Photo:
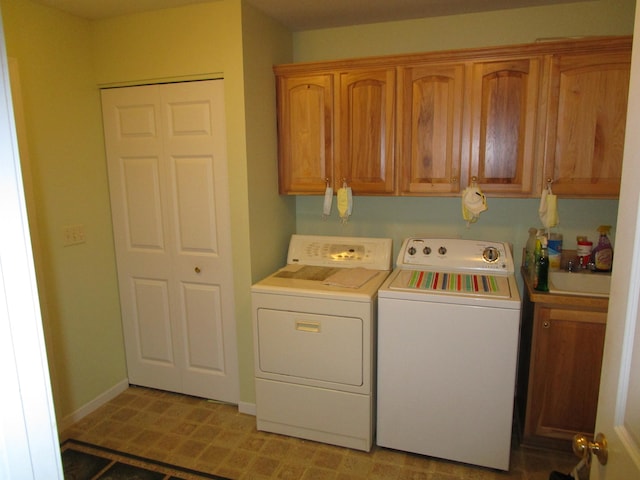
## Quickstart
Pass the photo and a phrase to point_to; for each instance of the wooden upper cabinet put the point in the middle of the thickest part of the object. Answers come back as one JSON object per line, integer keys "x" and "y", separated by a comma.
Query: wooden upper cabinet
{"x": 366, "y": 131}
{"x": 305, "y": 132}
{"x": 430, "y": 122}
{"x": 587, "y": 119}
{"x": 335, "y": 133}
{"x": 504, "y": 125}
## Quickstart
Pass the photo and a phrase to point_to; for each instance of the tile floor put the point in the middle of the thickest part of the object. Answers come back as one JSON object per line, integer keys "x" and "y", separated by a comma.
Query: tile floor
{"x": 216, "y": 438}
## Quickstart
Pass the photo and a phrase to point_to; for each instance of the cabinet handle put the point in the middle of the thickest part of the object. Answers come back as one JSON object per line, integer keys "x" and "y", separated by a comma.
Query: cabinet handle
{"x": 197, "y": 269}
{"x": 546, "y": 324}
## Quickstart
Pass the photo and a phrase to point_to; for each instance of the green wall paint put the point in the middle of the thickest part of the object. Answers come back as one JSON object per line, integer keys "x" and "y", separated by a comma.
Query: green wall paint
{"x": 506, "y": 219}
{"x": 272, "y": 216}
{"x": 502, "y": 27}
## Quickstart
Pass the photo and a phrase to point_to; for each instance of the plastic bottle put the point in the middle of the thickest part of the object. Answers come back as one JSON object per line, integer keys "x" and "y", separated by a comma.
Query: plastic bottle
{"x": 542, "y": 268}
{"x": 554, "y": 249}
{"x": 583, "y": 251}
{"x": 602, "y": 254}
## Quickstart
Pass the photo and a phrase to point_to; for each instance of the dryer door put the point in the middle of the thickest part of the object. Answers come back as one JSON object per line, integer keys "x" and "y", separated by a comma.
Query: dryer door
{"x": 310, "y": 347}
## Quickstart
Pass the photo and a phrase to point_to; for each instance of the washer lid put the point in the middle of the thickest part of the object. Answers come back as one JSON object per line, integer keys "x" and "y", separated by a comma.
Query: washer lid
{"x": 343, "y": 252}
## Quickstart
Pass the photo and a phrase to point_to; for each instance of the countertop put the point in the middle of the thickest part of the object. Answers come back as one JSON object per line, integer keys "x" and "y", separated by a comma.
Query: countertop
{"x": 563, "y": 300}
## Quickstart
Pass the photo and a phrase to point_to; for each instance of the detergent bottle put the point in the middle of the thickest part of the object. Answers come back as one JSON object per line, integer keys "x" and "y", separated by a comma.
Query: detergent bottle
{"x": 602, "y": 254}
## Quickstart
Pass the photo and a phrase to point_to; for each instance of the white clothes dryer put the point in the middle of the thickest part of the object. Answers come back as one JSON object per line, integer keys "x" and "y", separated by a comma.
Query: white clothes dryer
{"x": 314, "y": 327}
{"x": 448, "y": 328}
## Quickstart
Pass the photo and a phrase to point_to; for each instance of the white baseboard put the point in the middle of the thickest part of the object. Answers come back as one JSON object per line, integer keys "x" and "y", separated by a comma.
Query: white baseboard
{"x": 94, "y": 404}
{"x": 248, "y": 408}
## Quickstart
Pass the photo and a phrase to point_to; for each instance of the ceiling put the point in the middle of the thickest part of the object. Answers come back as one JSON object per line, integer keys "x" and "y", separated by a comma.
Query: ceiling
{"x": 309, "y": 14}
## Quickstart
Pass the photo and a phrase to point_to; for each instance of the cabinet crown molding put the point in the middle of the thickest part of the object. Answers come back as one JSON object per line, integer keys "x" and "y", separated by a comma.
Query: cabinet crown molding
{"x": 586, "y": 45}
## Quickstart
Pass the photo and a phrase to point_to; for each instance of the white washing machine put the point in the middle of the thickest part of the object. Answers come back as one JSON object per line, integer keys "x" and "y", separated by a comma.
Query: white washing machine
{"x": 314, "y": 340}
{"x": 448, "y": 327}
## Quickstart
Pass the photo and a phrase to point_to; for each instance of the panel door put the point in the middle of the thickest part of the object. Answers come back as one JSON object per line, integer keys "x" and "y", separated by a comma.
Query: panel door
{"x": 587, "y": 119}
{"x": 430, "y": 110}
{"x": 166, "y": 157}
{"x": 366, "y": 132}
{"x": 565, "y": 375}
{"x": 305, "y": 131}
{"x": 504, "y": 125}
{"x": 618, "y": 413}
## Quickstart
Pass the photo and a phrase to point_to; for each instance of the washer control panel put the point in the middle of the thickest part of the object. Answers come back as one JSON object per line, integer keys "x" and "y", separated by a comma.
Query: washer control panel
{"x": 455, "y": 255}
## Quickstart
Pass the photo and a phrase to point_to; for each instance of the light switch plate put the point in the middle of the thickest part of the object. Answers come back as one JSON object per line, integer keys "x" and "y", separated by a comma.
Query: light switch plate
{"x": 73, "y": 235}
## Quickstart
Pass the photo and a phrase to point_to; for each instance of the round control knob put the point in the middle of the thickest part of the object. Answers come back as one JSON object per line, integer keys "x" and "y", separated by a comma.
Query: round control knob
{"x": 412, "y": 250}
{"x": 426, "y": 250}
{"x": 491, "y": 254}
{"x": 442, "y": 250}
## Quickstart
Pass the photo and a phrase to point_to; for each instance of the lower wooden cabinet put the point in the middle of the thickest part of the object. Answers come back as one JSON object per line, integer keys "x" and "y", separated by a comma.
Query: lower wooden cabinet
{"x": 561, "y": 350}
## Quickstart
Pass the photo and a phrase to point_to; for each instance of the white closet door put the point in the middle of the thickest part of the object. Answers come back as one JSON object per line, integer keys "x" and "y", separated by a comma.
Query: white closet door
{"x": 166, "y": 157}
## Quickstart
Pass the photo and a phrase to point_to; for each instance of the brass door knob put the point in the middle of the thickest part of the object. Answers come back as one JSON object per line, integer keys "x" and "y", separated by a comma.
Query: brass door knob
{"x": 583, "y": 448}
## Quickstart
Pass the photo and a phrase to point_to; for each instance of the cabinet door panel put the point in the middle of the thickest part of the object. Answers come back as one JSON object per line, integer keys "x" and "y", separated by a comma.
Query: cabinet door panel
{"x": 587, "y": 120}
{"x": 430, "y": 112}
{"x": 305, "y": 130}
{"x": 504, "y": 124}
{"x": 566, "y": 378}
{"x": 366, "y": 131}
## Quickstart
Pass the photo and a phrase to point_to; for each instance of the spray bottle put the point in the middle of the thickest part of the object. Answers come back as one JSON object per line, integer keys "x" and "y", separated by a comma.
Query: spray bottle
{"x": 602, "y": 254}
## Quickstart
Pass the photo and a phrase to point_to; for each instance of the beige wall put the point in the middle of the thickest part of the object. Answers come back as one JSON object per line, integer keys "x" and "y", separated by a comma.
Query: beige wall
{"x": 65, "y": 143}
{"x": 220, "y": 39}
{"x": 62, "y": 61}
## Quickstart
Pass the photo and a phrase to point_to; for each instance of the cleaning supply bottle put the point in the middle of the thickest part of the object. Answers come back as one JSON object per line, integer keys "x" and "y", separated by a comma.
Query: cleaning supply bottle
{"x": 542, "y": 268}
{"x": 583, "y": 251}
{"x": 602, "y": 254}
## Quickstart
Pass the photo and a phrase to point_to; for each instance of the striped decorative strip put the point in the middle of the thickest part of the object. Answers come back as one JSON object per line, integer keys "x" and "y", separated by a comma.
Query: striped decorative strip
{"x": 454, "y": 282}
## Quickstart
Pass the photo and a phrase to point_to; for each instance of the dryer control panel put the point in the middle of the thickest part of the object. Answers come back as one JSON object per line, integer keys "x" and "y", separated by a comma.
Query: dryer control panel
{"x": 456, "y": 255}
{"x": 345, "y": 252}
